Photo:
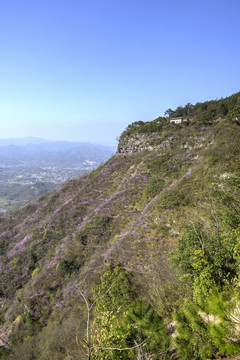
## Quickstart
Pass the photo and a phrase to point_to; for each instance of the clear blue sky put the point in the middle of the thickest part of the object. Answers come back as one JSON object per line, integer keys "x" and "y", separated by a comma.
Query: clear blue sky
{"x": 83, "y": 70}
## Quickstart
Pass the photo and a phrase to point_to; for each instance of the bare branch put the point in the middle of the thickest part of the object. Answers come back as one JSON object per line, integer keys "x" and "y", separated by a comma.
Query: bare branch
{"x": 122, "y": 349}
{"x": 100, "y": 297}
{"x": 85, "y": 299}
{"x": 88, "y": 342}
{"x": 200, "y": 238}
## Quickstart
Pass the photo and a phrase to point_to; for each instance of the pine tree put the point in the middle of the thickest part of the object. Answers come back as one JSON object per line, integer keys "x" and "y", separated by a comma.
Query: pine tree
{"x": 147, "y": 326}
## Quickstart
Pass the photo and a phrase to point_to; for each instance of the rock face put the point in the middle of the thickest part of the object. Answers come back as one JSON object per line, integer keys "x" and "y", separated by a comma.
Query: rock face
{"x": 141, "y": 142}
{"x": 137, "y": 142}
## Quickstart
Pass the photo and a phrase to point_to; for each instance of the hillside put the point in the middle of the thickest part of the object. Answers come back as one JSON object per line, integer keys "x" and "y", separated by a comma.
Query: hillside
{"x": 166, "y": 183}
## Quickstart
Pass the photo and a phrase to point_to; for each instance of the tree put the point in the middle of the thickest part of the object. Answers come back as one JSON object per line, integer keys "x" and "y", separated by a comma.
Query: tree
{"x": 182, "y": 258}
{"x": 234, "y": 113}
{"x": 115, "y": 291}
{"x": 188, "y": 109}
{"x": 209, "y": 325}
{"x": 111, "y": 298}
{"x": 222, "y": 109}
{"x": 144, "y": 325}
{"x": 114, "y": 294}
{"x": 169, "y": 112}
{"x": 206, "y": 260}
{"x": 192, "y": 341}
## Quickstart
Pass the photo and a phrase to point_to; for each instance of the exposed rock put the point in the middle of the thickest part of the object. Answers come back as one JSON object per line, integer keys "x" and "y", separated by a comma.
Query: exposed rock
{"x": 142, "y": 142}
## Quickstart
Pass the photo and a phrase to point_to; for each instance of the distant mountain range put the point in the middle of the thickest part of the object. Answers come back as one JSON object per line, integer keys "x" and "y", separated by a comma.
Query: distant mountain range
{"x": 23, "y": 141}
{"x": 32, "y": 166}
{"x": 40, "y": 152}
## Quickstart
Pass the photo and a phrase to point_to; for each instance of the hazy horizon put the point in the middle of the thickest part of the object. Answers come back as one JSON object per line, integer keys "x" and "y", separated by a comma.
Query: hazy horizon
{"x": 36, "y": 140}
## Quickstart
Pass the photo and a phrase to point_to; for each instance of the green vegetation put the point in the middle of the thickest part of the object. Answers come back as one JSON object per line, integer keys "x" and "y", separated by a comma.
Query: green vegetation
{"x": 146, "y": 127}
{"x": 209, "y": 262}
{"x": 140, "y": 259}
{"x": 126, "y": 321}
{"x": 207, "y": 111}
{"x": 14, "y": 195}
{"x": 203, "y": 113}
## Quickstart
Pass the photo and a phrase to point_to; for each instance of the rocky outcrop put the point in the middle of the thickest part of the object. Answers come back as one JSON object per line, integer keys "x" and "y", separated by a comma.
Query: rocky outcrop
{"x": 140, "y": 142}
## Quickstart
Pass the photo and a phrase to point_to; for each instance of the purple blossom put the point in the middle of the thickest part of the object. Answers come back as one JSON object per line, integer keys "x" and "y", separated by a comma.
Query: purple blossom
{"x": 70, "y": 290}
{"x": 40, "y": 293}
{"x": 60, "y": 304}
{"x": 115, "y": 165}
{"x": 84, "y": 202}
{"x": 108, "y": 200}
{"x": 60, "y": 207}
{"x": 19, "y": 247}
{"x": 135, "y": 176}
{"x": 85, "y": 219}
{"x": 68, "y": 201}
{"x": 9, "y": 267}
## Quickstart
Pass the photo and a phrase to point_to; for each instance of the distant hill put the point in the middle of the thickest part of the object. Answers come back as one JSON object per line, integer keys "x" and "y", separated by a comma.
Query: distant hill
{"x": 54, "y": 153}
{"x": 22, "y": 141}
{"x": 30, "y": 166}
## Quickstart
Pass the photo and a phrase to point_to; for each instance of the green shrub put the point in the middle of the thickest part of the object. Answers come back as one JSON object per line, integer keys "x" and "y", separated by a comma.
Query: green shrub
{"x": 154, "y": 187}
{"x": 4, "y": 353}
{"x": 103, "y": 221}
{"x": 181, "y": 195}
{"x": 2, "y": 319}
{"x": 81, "y": 237}
{"x": 66, "y": 267}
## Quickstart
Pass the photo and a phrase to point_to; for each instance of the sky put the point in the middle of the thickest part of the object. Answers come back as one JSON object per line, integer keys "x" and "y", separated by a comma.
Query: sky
{"x": 83, "y": 70}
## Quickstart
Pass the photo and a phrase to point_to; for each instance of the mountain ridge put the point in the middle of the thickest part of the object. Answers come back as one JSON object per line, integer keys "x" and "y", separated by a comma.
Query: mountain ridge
{"x": 129, "y": 212}
{"x": 31, "y": 140}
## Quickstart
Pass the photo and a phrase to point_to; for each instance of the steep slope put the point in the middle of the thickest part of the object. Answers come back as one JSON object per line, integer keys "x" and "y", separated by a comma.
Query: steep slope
{"x": 129, "y": 212}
